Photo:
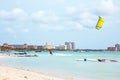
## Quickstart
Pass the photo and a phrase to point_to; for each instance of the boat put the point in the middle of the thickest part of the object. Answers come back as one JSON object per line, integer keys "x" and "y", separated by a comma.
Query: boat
{"x": 24, "y": 54}
{"x": 20, "y": 53}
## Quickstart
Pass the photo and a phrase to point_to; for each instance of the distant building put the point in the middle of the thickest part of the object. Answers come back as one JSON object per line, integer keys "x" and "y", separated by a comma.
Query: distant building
{"x": 40, "y": 47}
{"x": 5, "y": 44}
{"x": 111, "y": 49}
{"x": 117, "y": 47}
{"x": 24, "y": 46}
{"x": 17, "y": 46}
{"x": 32, "y": 47}
{"x": 66, "y": 46}
{"x": 61, "y": 47}
{"x": 73, "y": 45}
{"x": 6, "y": 47}
{"x": 70, "y": 45}
{"x": 49, "y": 46}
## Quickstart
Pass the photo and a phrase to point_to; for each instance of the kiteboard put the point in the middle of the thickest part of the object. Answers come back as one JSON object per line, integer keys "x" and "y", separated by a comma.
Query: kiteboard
{"x": 97, "y": 60}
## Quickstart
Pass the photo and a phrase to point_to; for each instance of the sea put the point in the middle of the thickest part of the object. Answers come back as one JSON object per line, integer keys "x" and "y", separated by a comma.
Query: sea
{"x": 69, "y": 65}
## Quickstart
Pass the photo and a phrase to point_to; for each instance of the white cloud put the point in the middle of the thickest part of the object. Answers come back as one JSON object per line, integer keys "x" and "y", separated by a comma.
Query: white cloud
{"x": 56, "y": 2}
{"x": 87, "y": 19}
{"x": 60, "y": 1}
{"x": 82, "y": 17}
{"x": 79, "y": 26}
{"x": 82, "y": 20}
{"x": 5, "y": 14}
{"x": 15, "y": 14}
{"x": 18, "y": 12}
{"x": 16, "y": 30}
{"x": 56, "y": 28}
{"x": 9, "y": 30}
{"x": 42, "y": 16}
{"x": 25, "y": 30}
{"x": 18, "y": 3}
{"x": 107, "y": 7}
{"x": 71, "y": 10}
{"x": 74, "y": 25}
{"x": 51, "y": 27}
{"x": 75, "y": 16}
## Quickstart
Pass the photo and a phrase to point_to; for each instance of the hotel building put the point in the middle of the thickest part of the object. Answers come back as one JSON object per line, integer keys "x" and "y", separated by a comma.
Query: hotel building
{"x": 70, "y": 45}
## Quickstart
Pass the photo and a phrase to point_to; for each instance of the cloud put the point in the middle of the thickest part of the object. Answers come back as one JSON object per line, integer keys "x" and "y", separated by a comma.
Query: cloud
{"x": 87, "y": 16}
{"x": 60, "y": 1}
{"x": 81, "y": 19}
{"x": 76, "y": 17}
{"x": 16, "y": 30}
{"x": 51, "y": 27}
{"x": 73, "y": 25}
{"x": 88, "y": 20}
{"x": 45, "y": 17}
{"x": 25, "y": 30}
{"x": 15, "y": 14}
{"x": 56, "y": 2}
{"x": 18, "y": 3}
{"x": 70, "y": 10}
{"x": 9, "y": 30}
{"x": 106, "y": 7}
{"x": 79, "y": 26}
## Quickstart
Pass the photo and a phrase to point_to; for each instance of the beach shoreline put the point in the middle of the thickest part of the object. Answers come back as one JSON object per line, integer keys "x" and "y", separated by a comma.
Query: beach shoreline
{"x": 16, "y": 73}
{"x": 10, "y": 73}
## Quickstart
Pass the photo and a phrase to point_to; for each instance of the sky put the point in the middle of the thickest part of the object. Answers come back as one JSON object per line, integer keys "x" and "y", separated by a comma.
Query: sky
{"x": 59, "y": 21}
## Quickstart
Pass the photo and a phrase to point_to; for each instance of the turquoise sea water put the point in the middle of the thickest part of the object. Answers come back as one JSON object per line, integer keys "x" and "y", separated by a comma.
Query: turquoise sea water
{"x": 64, "y": 64}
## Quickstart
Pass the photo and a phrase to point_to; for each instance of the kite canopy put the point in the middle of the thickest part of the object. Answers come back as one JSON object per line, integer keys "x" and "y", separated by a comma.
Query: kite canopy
{"x": 100, "y": 23}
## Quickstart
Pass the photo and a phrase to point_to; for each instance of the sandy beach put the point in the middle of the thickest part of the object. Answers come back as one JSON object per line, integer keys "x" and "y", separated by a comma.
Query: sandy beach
{"x": 9, "y": 73}
{"x": 4, "y": 56}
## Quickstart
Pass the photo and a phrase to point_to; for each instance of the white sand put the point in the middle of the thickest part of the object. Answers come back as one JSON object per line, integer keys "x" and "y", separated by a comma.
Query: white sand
{"x": 4, "y": 56}
{"x": 8, "y": 73}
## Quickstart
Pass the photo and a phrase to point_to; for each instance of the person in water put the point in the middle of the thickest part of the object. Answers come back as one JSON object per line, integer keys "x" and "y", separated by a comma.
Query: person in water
{"x": 101, "y": 60}
{"x": 50, "y": 51}
{"x": 85, "y": 59}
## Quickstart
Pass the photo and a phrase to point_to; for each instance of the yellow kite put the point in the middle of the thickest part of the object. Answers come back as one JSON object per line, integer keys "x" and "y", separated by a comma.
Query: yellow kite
{"x": 100, "y": 23}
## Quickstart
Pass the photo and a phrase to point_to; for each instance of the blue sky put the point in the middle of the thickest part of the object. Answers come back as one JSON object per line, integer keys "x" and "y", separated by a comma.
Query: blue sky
{"x": 58, "y": 21}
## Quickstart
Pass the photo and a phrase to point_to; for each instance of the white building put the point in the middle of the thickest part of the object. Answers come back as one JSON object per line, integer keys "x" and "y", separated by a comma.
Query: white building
{"x": 70, "y": 45}
{"x": 117, "y": 46}
{"x": 61, "y": 47}
{"x": 49, "y": 46}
